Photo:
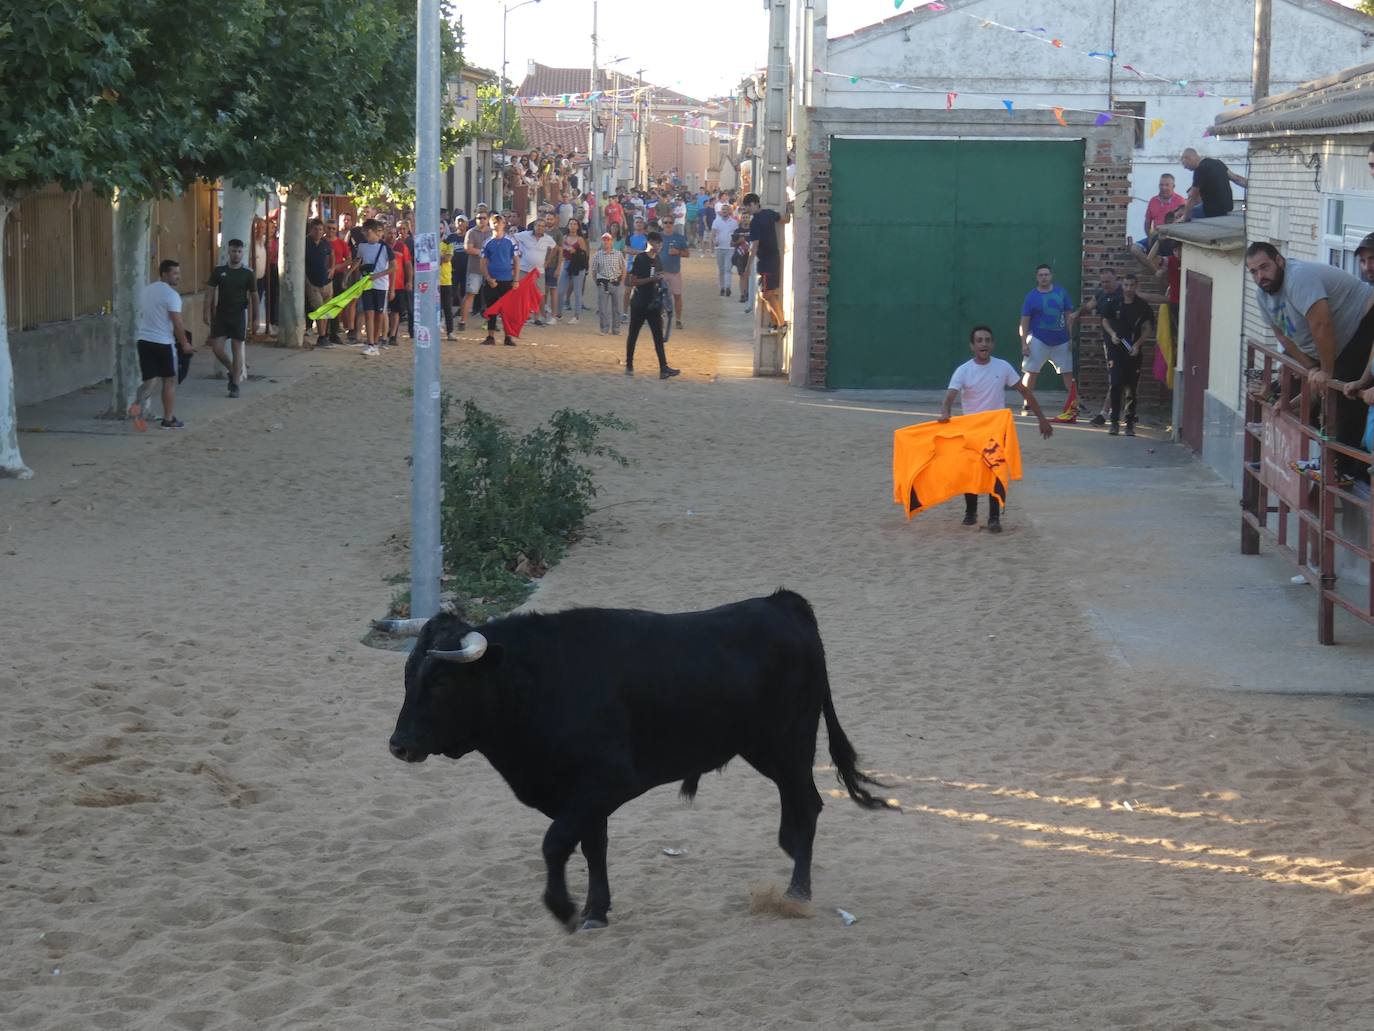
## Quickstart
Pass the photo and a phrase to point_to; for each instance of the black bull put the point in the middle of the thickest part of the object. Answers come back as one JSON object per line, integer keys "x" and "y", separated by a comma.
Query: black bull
{"x": 581, "y": 711}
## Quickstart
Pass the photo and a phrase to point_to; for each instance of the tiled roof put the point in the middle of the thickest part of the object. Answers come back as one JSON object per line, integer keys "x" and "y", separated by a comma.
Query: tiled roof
{"x": 542, "y": 129}
{"x": 554, "y": 82}
{"x": 1345, "y": 99}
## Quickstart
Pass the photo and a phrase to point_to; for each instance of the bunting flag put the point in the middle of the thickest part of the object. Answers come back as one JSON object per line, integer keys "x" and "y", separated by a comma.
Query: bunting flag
{"x": 1155, "y": 125}
{"x": 1102, "y": 118}
{"x": 949, "y": 101}
{"x": 1059, "y": 116}
{"x": 1008, "y": 105}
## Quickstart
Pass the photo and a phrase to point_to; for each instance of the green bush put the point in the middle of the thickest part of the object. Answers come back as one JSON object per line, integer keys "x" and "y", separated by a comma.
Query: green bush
{"x": 511, "y": 504}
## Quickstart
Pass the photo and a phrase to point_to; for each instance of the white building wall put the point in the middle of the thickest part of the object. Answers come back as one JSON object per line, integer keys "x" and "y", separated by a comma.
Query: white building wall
{"x": 950, "y": 51}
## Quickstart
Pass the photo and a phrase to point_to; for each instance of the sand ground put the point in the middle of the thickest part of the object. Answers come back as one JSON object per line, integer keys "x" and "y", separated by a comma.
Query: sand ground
{"x": 201, "y": 828}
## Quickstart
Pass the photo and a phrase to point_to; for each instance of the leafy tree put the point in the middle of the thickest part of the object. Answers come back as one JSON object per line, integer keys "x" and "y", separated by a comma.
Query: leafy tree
{"x": 1366, "y": 7}
{"x": 349, "y": 121}
{"x": 499, "y": 120}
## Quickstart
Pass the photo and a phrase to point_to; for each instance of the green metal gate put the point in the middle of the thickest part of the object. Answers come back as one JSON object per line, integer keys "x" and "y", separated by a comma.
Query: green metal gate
{"x": 928, "y": 238}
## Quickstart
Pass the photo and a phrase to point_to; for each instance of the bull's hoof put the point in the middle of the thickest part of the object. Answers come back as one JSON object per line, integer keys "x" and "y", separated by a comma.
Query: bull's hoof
{"x": 563, "y": 911}
{"x": 798, "y": 893}
{"x": 591, "y": 923}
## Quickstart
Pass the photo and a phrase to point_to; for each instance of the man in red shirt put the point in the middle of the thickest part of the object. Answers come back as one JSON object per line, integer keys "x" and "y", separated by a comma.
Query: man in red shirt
{"x": 401, "y": 274}
{"x": 614, "y": 213}
{"x": 1161, "y": 205}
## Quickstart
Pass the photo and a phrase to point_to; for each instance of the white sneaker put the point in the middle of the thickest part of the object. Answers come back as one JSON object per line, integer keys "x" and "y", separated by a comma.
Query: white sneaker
{"x": 370, "y": 350}
{"x": 573, "y": 319}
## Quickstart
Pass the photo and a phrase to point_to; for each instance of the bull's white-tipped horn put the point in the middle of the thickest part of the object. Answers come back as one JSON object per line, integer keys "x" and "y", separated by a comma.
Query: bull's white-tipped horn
{"x": 401, "y": 627}
{"x": 474, "y": 647}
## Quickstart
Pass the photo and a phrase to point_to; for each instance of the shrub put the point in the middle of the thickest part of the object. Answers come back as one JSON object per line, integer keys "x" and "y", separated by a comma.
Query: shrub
{"x": 510, "y": 504}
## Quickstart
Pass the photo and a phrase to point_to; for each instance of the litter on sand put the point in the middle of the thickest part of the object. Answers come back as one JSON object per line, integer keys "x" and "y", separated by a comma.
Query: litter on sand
{"x": 674, "y": 851}
{"x": 846, "y": 916}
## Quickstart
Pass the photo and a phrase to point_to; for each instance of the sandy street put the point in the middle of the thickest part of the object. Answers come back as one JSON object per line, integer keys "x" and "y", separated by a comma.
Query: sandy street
{"x": 201, "y": 827}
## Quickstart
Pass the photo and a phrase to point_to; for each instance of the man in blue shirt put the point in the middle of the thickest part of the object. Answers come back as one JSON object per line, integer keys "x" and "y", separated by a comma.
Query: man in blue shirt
{"x": 675, "y": 248}
{"x": 500, "y": 267}
{"x": 1047, "y": 319}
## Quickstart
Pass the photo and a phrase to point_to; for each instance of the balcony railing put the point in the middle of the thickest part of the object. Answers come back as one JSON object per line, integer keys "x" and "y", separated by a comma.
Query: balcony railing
{"x": 1291, "y": 494}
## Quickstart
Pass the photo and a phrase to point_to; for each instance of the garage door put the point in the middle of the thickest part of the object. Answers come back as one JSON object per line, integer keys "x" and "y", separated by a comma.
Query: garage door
{"x": 931, "y": 237}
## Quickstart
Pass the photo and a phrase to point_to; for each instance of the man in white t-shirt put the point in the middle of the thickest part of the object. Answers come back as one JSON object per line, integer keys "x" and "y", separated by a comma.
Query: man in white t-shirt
{"x": 534, "y": 245}
{"x": 981, "y": 385}
{"x": 163, "y": 346}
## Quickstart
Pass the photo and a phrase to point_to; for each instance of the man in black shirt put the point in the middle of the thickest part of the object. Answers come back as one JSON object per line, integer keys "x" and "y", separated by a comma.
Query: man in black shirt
{"x": 1210, "y": 194}
{"x": 646, "y": 305}
{"x": 232, "y": 308}
{"x": 1104, "y": 304}
{"x": 319, "y": 275}
{"x": 766, "y": 254}
{"x": 1126, "y": 329}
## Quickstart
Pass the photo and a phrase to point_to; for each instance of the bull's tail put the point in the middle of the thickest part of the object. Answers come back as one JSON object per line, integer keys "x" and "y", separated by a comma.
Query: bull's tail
{"x": 842, "y": 754}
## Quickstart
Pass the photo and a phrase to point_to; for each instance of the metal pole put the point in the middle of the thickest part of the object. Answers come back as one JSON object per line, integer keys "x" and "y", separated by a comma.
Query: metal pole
{"x": 1264, "y": 18}
{"x": 426, "y": 550}
{"x": 505, "y": 130}
{"x": 594, "y": 150}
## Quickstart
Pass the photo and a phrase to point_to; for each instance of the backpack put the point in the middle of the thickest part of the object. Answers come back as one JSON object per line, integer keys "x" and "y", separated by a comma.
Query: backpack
{"x": 368, "y": 267}
{"x": 740, "y": 259}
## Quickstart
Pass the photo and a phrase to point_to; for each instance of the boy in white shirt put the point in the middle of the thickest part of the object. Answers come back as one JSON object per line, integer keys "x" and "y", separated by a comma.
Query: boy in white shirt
{"x": 981, "y": 384}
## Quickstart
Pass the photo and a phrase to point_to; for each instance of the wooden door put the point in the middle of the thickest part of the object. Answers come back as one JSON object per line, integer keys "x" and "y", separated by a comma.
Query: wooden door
{"x": 1197, "y": 351}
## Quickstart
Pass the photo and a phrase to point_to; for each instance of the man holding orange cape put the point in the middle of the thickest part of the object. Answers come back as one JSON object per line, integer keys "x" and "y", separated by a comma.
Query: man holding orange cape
{"x": 932, "y": 462}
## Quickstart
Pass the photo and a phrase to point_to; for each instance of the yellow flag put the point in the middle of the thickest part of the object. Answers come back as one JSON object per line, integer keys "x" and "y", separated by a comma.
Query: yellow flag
{"x": 1155, "y": 125}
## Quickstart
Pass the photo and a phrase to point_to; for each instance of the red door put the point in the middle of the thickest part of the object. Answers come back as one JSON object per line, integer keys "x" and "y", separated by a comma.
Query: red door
{"x": 1197, "y": 352}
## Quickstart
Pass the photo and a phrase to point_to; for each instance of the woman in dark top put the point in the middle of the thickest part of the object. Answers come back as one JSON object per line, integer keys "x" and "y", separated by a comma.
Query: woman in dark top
{"x": 573, "y": 272}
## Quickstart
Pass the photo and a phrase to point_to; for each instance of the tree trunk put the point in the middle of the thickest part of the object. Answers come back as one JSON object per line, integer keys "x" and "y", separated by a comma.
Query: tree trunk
{"x": 291, "y": 315}
{"x": 130, "y": 259}
{"x": 236, "y": 221}
{"x": 11, "y": 463}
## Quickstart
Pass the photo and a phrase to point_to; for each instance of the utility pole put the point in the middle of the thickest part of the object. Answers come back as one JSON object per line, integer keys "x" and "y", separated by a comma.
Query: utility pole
{"x": 640, "y": 156}
{"x": 426, "y": 550}
{"x": 1264, "y": 19}
{"x": 773, "y": 189}
{"x": 769, "y": 350}
{"x": 594, "y": 148}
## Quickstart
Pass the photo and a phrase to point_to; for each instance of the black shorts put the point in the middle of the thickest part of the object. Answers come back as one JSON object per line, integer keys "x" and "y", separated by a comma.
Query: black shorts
{"x": 157, "y": 361}
{"x": 769, "y": 279}
{"x": 400, "y": 302}
{"x": 228, "y": 325}
{"x": 374, "y": 299}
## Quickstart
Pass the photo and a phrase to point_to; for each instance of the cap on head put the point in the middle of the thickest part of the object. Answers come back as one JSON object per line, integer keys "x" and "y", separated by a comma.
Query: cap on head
{"x": 1367, "y": 244}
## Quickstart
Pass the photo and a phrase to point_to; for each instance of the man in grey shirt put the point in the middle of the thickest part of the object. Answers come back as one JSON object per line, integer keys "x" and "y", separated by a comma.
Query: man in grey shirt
{"x": 1324, "y": 318}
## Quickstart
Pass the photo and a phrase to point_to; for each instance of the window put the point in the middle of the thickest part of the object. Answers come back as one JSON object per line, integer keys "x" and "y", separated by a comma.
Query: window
{"x": 1135, "y": 110}
{"x": 1346, "y": 221}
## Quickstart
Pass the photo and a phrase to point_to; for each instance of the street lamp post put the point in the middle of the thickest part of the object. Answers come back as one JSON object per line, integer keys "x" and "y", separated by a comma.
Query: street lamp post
{"x": 505, "y": 114}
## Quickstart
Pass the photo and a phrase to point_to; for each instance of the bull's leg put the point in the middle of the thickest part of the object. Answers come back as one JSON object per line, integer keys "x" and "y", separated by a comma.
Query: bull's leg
{"x": 559, "y": 842}
{"x": 801, "y": 804}
{"x": 594, "y": 913}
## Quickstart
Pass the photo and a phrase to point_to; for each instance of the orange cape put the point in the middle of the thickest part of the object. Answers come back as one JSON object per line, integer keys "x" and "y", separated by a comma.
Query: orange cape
{"x": 971, "y": 454}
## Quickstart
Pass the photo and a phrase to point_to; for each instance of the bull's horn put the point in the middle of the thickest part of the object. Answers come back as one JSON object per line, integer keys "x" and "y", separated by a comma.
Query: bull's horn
{"x": 401, "y": 627}
{"x": 474, "y": 647}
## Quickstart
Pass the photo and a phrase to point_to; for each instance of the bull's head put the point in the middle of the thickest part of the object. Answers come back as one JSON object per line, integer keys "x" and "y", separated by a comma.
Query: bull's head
{"x": 442, "y": 674}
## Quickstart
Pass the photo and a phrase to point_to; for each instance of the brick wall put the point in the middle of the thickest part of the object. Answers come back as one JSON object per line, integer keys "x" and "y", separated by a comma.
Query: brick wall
{"x": 818, "y": 301}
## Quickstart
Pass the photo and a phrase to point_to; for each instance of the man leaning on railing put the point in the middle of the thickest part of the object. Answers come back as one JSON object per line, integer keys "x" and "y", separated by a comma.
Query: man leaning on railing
{"x": 1324, "y": 319}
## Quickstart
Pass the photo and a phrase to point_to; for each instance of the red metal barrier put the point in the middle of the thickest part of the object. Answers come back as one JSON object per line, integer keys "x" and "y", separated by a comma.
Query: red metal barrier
{"x": 1280, "y": 431}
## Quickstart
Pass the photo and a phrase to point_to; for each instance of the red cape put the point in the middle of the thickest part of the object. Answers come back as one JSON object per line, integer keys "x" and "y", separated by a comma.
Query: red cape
{"x": 515, "y": 307}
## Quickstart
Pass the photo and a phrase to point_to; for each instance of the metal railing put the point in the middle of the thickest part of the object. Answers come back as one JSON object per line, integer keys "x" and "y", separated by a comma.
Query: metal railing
{"x": 1291, "y": 493}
